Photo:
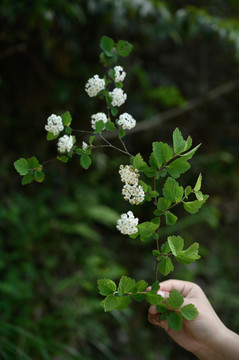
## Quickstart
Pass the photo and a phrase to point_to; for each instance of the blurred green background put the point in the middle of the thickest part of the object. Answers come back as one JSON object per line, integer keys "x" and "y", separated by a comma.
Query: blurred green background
{"x": 59, "y": 237}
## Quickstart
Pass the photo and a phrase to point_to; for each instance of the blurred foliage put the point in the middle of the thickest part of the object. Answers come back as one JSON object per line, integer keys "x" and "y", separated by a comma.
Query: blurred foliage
{"x": 58, "y": 238}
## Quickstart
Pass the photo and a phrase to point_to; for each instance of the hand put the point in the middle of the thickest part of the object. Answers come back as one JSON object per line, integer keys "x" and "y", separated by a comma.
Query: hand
{"x": 205, "y": 336}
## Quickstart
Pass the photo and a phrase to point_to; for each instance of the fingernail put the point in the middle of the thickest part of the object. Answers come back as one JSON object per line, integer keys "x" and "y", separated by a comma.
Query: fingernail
{"x": 164, "y": 294}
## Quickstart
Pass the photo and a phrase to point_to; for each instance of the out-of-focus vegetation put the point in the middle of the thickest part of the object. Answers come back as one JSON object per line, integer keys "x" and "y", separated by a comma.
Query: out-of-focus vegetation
{"x": 59, "y": 237}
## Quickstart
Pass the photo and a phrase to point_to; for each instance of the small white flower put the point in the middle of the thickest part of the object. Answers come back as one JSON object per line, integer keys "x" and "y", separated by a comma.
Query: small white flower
{"x": 133, "y": 193}
{"x": 129, "y": 175}
{"x": 54, "y": 124}
{"x": 65, "y": 143}
{"x": 118, "y": 97}
{"x": 94, "y": 85}
{"x": 119, "y": 73}
{"x": 127, "y": 121}
{"x": 84, "y": 146}
{"x": 127, "y": 224}
{"x": 97, "y": 117}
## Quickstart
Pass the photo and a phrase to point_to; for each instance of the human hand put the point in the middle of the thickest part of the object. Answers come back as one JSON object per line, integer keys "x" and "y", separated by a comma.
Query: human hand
{"x": 203, "y": 335}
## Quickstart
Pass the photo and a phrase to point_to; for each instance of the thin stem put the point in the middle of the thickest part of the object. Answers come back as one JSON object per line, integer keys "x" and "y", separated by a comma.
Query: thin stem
{"x": 114, "y": 147}
{"x": 122, "y": 142}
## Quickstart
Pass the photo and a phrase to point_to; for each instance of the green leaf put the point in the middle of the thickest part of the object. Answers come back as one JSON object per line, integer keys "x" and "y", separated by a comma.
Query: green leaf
{"x": 21, "y": 165}
{"x": 112, "y": 75}
{"x": 27, "y": 179}
{"x": 63, "y": 159}
{"x": 165, "y": 248}
{"x": 150, "y": 172}
{"x": 108, "y": 60}
{"x": 66, "y": 118}
{"x": 138, "y": 297}
{"x": 176, "y": 244}
{"x": 110, "y": 303}
{"x": 138, "y": 162}
{"x": 178, "y": 167}
{"x": 189, "y": 312}
{"x": 175, "y": 299}
{"x": 172, "y": 191}
{"x": 106, "y": 286}
{"x": 165, "y": 266}
{"x": 124, "y": 48}
{"x": 123, "y": 302}
{"x": 193, "y": 206}
{"x": 146, "y": 229}
{"x": 162, "y": 308}
{"x": 175, "y": 321}
{"x": 39, "y": 176}
{"x": 106, "y": 44}
{"x": 141, "y": 285}
{"x": 121, "y": 132}
{"x": 163, "y": 204}
{"x": 152, "y": 160}
{"x": 199, "y": 195}
{"x": 153, "y": 298}
{"x": 162, "y": 153}
{"x": 197, "y": 187}
{"x": 33, "y": 163}
{"x": 110, "y": 126}
{"x": 189, "y": 155}
{"x": 188, "y": 191}
{"x": 91, "y": 139}
{"x": 154, "y": 193}
{"x": 189, "y": 255}
{"x": 155, "y": 286}
{"x": 114, "y": 111}
{"x": 144, "y": 185}
{"x": 179, "y": 143}
{"x": 189, "y": 143}
{"x": 126, "y": 285}
{"x": 99, "y": 127}
{"x": 170, "y": 218}
{"x": 85, "y": 161}
{"x": 50, "y": 136}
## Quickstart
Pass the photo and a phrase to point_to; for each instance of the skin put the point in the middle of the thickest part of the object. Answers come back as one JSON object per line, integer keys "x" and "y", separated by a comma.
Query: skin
{"x": 205, "y": 336}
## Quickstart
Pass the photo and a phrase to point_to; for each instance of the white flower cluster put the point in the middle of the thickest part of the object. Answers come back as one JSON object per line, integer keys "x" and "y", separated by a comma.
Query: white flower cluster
{"x": 133, "y": 193}
{"x": 65, "y": 143}
{"x": 128, "y": 175}
{"x": 94, "y": 85}
{"x": 127, "y": 224}
{"x": 131, "y": 190}
{"x": 118, "y": 97}
{"x": 97, "y": 117}
{"x": 127, "y": 121}
{"x": 119, "y": 73}
{"x": 54, "y": 124}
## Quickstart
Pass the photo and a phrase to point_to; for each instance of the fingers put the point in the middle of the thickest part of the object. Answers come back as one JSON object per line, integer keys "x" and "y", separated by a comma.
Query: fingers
{"x": 184, "y": 287}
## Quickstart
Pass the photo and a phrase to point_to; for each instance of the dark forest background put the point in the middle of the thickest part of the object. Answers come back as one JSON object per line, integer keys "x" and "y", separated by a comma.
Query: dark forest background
{"x": 59, "y": 237}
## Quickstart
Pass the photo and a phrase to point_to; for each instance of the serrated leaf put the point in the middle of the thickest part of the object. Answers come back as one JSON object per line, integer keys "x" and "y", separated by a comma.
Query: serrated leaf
{"x": 156, "y": 253}
{"x": 141, "y": 285}
{"x": 175, "y": 299}
{"x": 178, "y": 167}
{"x": 172, "y": 191}
{"x": 106, "y": 286}
{"x": 106, "y": 44}
{"x": 176, "y": 244}
{"x": 199, "y": 195}
{"x": 162, "y": 153}
{"x": 110, "y": 303}
{"x": 163, "y": 204}
{"x": 153, "y": 298}
{"x": 21, "y": 165}
{"x": 85, "y": 161}
{"x": 189, "y": 155}
{"x": 99, "y": 127}
{"x": 154, "y": 193}
{"x": 112, "y": 73}
{"x": 162, "y": 308}
{"x": 152, "y": 160}
{"x": 138, "y": 162}
{"x": 110, "y": 126}
{"x": 165, "y": 248}
{"x": 146, "y": 229}
{"x": 123, "y": 302}
{"x": 50, "y": 136}
{"x": 138, "y": 297}
{"x": 170, "y": 218}
{"x": 189, "y": 143}
{"x": 124, "y": 48}
{"x": 150, "y": 172}
{"x": 189, "y": 312}
{"x": 179, "y": 143}
{"x": 155, "y": 286}
{"x": 66, "y": 118}
{"x": 163, "y": 316}
{"x": 175, "y": 321}
{"x": 63, "y": 159}
{"x": 144, "y": 185}
{"x": 165, "y": 266}
{"x": 121, "y": 132}
{"x": 33, "y": 163}
{"x": 91, "y": 139}
{"x": 188, "y": 191}
{"x": 27, "y": 179}
{"x": 189, "y": 255}
{"x": 197, "y": 187}
{"x": 126, "y": 285}
{"x": 193, "y": 206}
